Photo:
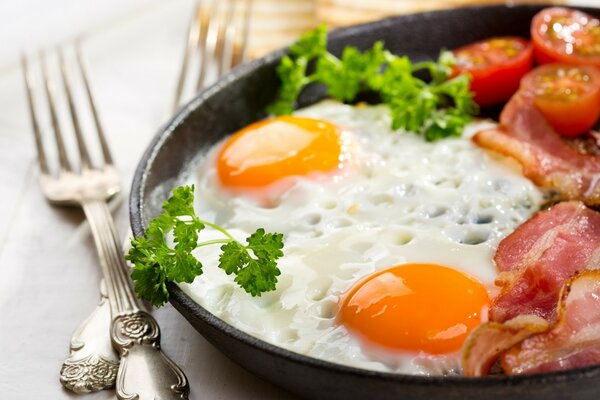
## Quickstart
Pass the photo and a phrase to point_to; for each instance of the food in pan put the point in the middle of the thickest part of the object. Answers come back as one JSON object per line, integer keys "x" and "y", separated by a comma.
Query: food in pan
{"x": 568, "y": 36}
{"x": 496, "y": 66}
{"x": 406, "y": 236}
{"x": 403, "y": 228}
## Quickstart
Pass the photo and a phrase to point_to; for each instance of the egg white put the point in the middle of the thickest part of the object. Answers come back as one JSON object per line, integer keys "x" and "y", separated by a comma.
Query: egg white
{"x": 403, "y": 200}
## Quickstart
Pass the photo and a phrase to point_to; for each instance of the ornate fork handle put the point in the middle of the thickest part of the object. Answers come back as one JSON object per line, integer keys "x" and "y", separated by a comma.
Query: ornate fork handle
{"x": 92, "y": 364}
{"x": 145, "y": 372}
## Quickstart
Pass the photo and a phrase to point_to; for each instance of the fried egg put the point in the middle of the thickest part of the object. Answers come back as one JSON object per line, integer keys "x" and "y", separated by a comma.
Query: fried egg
{"x": 265, "y": 158}
{"x": 388, "y": 238}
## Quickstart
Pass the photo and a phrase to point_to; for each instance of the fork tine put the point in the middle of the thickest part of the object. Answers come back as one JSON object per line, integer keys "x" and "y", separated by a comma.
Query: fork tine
{"x": 108, "y": 160}
{"x": 216, "y": 36}
{"x": 243, "y": 54}
{"x": 227, "y": 34}
{"x": 39, "y": 145}
{"x": 50, "y": 97}
{"x": 208, "y": 46}
{"x": 192, "y": 40}
{"x": 83, "y": 152}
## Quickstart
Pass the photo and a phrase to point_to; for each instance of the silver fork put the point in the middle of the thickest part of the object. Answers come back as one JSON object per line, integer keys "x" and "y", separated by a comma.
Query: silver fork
{"x": 220, "y": 41}
{"x": 144, "y": 372}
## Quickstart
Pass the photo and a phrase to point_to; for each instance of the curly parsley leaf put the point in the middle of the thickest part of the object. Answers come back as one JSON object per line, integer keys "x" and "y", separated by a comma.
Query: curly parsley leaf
{"x": 258, "y": 273}
{"x": 151, "y": 283}
{"x": 155, "y": 263}
{"x": 266, "y": 245}
{"x": 254, "y": 279}
{"x": 233, "y": 257}
{"x": 439, "y": 71}
{"x": 436, "y": 109}
{"x": 310, "y": 45}
{"x": 293, "y": 79}
{"x": 443, "y": 123}
{"x": 292, "y": 69}
{"x": 345, "y": 78}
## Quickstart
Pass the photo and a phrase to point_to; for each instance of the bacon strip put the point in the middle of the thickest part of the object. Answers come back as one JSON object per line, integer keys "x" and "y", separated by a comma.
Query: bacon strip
{"x": 573, "y": 341}
{"x": 527, "y": 344}
{"x": 489, "y": 341}
{"x": 547, "y": 159}
{"x": 536, "y": 261}
{"x": 540, "y": 255}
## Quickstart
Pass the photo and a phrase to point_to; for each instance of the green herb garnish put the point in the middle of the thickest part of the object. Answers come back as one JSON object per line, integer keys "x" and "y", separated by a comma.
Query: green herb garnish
{"x": 436, "y": 109}
{"x": 155, "y": 263}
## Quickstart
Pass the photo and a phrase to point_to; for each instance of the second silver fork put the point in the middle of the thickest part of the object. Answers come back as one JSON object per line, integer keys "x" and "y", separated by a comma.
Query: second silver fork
{"x": 144, "y": 372}
{"x": 218, "y": 32}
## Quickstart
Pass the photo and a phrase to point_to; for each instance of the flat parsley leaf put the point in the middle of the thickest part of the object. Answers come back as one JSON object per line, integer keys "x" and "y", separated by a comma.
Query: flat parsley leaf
{"x": 436, "y": 109}
{"x": 155, "y": 263}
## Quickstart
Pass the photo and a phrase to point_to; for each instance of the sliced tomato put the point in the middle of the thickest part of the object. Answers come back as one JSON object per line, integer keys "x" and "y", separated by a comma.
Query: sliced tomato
{"x": 567, "y": 95}
{"x": 496, "y": 66}
{"x": 568, "y": 36}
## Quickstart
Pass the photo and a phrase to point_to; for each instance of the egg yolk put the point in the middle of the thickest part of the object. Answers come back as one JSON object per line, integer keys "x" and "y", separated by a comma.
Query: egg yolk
{"x": 267, "y": 151}
{"x": 415, "y": 307}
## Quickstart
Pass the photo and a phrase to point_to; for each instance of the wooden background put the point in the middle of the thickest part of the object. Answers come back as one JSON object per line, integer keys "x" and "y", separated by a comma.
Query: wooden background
{"x": 276, "y": 23}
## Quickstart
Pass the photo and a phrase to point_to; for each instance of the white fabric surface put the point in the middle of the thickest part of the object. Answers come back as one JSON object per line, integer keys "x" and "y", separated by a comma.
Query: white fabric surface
{"x": 49, "y": 275}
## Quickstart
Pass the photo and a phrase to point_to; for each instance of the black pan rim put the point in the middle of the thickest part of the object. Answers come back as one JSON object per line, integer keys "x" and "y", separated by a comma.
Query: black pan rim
{"x": 180, "y": 299}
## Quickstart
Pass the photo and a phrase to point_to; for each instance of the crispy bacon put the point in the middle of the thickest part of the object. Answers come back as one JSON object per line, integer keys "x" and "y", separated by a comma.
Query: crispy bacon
{"x": 489, "y": 341}
{"x": 540, "y": 255}
{"x": 546, "y": 158}
{"x": 536, "y": 261}
{"x": 527, "y": 344}
{"x": 574, "y": 339}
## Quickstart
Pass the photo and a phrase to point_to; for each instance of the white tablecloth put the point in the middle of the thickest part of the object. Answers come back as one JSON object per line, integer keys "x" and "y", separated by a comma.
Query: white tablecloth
{"x": 49, "y": 273}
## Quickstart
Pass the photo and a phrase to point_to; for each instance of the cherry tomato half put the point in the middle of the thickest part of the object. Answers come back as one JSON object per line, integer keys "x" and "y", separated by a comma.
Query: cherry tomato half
{"x": 496, "y": 66}
{"x": 568, "y": 36}
{"x": 567, "y": 95}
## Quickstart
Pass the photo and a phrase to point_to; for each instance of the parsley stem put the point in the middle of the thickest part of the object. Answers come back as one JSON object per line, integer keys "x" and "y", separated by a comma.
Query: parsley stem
{"x": 217, "y": 227}
{"x": 332, "y": 58}
{"x": 422, "y": 65}
{"x": 215, "y": 241}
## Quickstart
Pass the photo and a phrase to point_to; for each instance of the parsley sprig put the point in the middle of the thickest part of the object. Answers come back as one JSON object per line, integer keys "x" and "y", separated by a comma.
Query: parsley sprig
{"x": 155, "y": 263}
{"x": 436, "y": 109}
